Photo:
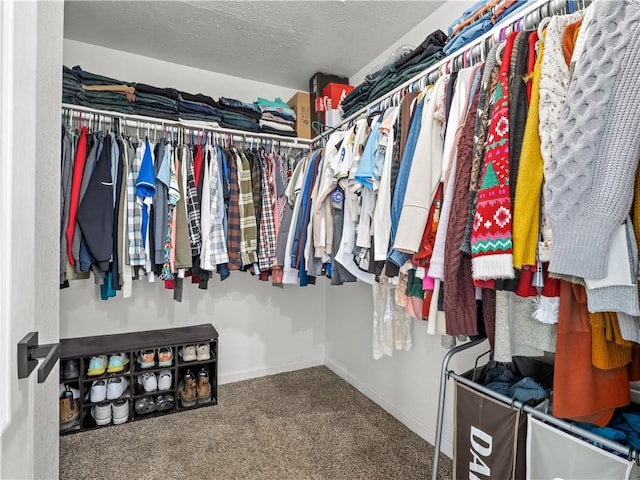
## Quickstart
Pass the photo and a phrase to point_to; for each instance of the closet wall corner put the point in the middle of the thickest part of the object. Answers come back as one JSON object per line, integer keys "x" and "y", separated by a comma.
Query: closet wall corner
{"x": 265, "y": 330}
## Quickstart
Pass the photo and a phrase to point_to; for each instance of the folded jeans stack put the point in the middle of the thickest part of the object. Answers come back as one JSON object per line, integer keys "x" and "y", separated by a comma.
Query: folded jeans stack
{"x": 152, "y": 104}
{"x": 97, "y": 91}
{"x": 71, "y": 85}
{"x": 194, "y": 110}
{"x": 478, "y": 20}
{"x": 395, "y": 73}
{"x": 240, "y": 115}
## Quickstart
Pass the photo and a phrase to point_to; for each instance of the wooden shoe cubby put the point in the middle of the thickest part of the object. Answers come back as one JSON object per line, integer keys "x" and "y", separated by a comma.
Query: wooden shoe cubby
{"x": 83, "y": 348}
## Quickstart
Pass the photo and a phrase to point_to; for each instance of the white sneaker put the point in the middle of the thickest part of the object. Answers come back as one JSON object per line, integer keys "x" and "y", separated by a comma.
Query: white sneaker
{"x": 165, "y": 380}
{"x": 203, "y": 352}
{"x": 165, "y": 357}
{"x": 188, "y": 353}
{"x": 116, "y": 387}
{"x": 120, "y": 411}
{"x": 98, "y": 391}
{"x": 101, "y": 413}
{"x": 148, "y": 381}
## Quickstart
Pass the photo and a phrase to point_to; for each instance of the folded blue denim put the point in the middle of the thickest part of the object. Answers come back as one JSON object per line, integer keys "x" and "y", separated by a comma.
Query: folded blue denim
{"x": 197, "y": 107}
{"x": 240, "y": 111}
{"x": 512, "y": 9}
{"x": 199, "y": 117}
{"x": 126, "y": 108}
{"x": 156, "y": 100}
{"x": 103, "y": 97}
{"x": 470, "y": 33}
{"x": 232, "y": 102}
{"x": 469, "y": 12}
{"x": 430, "y": 45}
{"x": 156, "y": 113}
{"x": 232, "y": 116}
{"x": 70, "y": 73}
{"x": 88, "y": 78}
{"x": 240, "y": 125}
{"x": 200, "y": 98}
{"x": 165, "y": 92}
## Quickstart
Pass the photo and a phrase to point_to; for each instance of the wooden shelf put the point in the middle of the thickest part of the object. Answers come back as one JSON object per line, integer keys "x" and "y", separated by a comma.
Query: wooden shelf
{"x": 82, "y": 349}
{"x": 135, "y": 341}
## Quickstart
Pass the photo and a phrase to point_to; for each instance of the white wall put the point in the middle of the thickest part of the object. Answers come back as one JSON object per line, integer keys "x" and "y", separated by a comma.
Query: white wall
{"x": 130, "y": 67}
{"x": 407, "y": 384}
{"x": 263, "y": 329}
{"x": 30, "y": 78}
{"x": 440, "y": 19}
{"x": 47, "y": 223}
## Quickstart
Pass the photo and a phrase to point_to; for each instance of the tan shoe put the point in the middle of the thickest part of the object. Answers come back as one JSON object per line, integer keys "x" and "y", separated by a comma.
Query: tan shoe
{"x": 204, "y": 387}
{"x": 69, "y": 411}
{"x": 187, "y": 390}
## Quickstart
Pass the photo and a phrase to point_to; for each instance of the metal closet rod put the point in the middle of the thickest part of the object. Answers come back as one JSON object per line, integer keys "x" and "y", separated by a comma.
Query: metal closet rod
{"x": 527, "y": 17}
{"x": 629, "y": 452}
{"x": 146, "y": 122}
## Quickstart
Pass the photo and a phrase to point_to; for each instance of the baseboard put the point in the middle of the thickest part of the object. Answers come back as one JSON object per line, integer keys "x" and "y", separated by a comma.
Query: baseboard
{"x": 412, "y": 423}
{"x": 240, "y": 375}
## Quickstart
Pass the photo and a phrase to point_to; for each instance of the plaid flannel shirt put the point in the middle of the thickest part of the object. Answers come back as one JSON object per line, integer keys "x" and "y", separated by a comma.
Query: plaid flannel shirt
{"x": 248, "y": 226}
{"x": 134, "y": 211}
{"x": 267, "y": 238}
{"x": 234, "y": 235}
{"x": 256, "y": 181}
{"x": 217, "y": 245}
{"x": 193, "y": 207}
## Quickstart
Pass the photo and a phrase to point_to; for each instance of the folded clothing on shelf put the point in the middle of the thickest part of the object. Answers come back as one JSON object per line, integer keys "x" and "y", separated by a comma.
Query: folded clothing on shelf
{"x": 276, "y": 107}
{"x": 395, "y": 73}
{"x": 80, "y": 87}
{"x": 246, "y": 109}
{"x": 277, "y": 118}
{"x": 482, "y": 19}
{"x": 283, "y": 127}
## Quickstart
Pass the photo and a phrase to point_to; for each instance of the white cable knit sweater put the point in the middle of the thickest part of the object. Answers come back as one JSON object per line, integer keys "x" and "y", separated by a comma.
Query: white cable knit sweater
{"x": 589, "y": 188}
{"x": 554, "y": 83}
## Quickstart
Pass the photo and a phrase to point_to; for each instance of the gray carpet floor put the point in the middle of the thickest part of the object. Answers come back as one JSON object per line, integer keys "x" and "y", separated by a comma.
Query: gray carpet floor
{"x": 303, "y": 425}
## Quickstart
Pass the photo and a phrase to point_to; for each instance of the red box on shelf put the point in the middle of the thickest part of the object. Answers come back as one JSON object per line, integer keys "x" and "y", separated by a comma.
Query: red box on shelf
{"x": 335, "y": 93}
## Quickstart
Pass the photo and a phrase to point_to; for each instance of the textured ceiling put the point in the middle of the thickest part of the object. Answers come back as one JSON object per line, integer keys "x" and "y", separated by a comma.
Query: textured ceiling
{"x": 279, "y": 42}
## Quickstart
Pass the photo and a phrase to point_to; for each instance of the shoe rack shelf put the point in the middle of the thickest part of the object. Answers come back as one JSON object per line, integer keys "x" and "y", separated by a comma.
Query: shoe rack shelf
{"x": 82, "y": 349}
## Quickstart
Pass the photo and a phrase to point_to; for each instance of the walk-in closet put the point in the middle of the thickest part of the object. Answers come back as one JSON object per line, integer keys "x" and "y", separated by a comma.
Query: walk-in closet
{"x": 318, "y": 240}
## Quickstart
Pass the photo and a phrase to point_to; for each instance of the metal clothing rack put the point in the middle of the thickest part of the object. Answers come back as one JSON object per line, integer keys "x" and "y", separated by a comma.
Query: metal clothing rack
{"x": 527, "y": 17}
{"x": 189, "y": 127}
{"x": 446, "y": 373}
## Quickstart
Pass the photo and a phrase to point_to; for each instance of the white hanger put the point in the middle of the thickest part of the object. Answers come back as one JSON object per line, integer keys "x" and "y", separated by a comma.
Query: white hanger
{"x": 499, "y": 51}
{"x": 543, "y": 24}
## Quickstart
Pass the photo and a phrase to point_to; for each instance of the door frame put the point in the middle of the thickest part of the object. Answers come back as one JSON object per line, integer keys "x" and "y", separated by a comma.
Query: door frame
{"x": 6, "y": 196}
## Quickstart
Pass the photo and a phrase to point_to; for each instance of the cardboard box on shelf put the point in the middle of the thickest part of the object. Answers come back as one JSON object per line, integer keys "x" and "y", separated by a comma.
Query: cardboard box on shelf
{"x": 332, "y": 117}
{"x": 335, "y": 93}
{"x": 316, "y": 85}
{"x": 301, "y": 104}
